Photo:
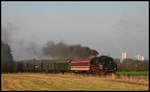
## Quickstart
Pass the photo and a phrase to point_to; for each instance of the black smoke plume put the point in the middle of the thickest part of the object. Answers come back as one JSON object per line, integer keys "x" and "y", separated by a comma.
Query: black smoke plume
{"x": 63, "y": 50}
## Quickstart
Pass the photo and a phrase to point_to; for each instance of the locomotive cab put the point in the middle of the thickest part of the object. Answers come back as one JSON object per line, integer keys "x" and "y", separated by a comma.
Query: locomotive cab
{"x": 108, "y": 64}
{"x": 103, "y": 64}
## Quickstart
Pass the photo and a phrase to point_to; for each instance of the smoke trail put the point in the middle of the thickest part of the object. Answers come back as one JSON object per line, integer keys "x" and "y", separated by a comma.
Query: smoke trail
{"x": 7, "y": 33}
{"x": 24, "y": 50}
{"x": 63, "y": 50}
{"x": 34, "y": 50}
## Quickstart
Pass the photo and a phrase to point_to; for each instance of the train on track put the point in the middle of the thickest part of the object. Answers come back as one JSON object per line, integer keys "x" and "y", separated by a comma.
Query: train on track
{"x": 95, "y": 65}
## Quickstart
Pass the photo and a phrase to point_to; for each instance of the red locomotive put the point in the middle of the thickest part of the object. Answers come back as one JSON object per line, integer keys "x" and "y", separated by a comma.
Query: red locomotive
{"x": 98, "y": 65}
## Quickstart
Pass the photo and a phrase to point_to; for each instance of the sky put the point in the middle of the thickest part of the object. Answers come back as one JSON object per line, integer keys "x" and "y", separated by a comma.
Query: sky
{"x": 109, "y": 27}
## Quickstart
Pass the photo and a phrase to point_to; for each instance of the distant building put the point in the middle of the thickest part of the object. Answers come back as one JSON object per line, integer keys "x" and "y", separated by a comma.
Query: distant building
{"x": 140, "y": 58}
{"x": 124, "y": 55}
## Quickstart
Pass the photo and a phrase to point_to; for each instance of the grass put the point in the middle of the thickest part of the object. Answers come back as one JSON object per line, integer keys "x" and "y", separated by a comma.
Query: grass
{"x": 68, "y": 81}
{"x": 134, "y": 73}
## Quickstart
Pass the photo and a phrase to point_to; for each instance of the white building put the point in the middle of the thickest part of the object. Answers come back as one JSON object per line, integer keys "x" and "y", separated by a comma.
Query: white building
{"x": 140, "y": 58}
{"x": 124, "y": 55}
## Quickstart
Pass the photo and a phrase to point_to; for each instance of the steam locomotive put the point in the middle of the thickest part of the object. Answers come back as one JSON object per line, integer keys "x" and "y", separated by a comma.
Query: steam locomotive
{"x": 96, "y": 65}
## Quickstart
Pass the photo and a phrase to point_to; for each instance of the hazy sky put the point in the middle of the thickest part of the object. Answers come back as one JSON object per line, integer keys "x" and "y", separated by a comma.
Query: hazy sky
{"x": 108, "y": 27}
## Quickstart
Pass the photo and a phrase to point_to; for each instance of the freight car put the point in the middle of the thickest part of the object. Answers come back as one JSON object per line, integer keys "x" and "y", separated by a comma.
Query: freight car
{"x": 97, "y": 65}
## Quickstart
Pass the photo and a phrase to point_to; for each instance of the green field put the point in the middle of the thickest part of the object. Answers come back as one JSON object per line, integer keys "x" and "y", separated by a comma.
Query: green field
{"x": 68, "y": 81}
{"x": 133, "y": 73}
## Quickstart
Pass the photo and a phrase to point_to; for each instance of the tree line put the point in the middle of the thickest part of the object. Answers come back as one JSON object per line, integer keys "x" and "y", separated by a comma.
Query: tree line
{"x": 132, "y": 65}
{"x": 7, "y": 58}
